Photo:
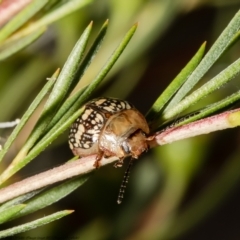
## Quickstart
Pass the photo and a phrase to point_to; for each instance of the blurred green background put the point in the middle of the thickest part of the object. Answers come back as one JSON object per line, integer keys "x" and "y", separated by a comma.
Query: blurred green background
{"x": 186, "y": 190}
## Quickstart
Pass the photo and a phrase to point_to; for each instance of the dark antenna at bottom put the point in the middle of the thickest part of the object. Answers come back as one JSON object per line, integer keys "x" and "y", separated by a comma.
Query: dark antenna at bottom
{"x": 124, "y": 183}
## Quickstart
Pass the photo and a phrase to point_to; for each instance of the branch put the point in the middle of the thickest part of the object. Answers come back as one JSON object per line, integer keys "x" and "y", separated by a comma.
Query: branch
{"x": 57, "y": 174}
{"x": 85, "y": 165}
{"x": 229, "y": 119}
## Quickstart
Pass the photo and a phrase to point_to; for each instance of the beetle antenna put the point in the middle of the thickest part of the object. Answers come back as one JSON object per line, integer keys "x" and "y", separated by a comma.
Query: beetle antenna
{"x": 124, "y": 182}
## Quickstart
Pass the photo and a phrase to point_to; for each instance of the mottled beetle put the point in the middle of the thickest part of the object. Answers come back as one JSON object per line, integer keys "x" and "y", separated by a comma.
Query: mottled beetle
{"x": 109, "y": 127}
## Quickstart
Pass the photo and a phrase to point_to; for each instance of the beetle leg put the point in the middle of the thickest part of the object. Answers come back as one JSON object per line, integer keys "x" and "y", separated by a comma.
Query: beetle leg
{"x": 97, "y": 163}
{"x": 119, "y": 163}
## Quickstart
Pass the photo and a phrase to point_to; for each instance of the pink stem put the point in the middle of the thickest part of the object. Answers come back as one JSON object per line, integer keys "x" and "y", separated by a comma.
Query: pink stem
{"x": 8, "y": 8}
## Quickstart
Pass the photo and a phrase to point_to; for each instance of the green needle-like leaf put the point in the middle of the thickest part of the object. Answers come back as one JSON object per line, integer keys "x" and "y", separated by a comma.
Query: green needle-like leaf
{"x": 34, "y": 224}
{"x": 10, "y": 48}
{"x": 67, "y": 109}
{"x": 28, "y": 113}
{"x": 81, "y": 70}
{"x": 40, "y": 146}
{"x": 224, "y": 40}
{"x": 10, "y": 212}
{"x": 90, "y": 54}
{"x": 52, "y": 195}
{"x": 19, "y": 200}
{"x": 65, "y": 9}
{"x": 67, "y": 75}
{"x": 61, "y": 126}
{"x": 109, "y": 64}
{"x": 209, "y": 110}
{"x": 61, "y": 88}
{"x": 173, "y": 87}
{"x": 225, "y": 76}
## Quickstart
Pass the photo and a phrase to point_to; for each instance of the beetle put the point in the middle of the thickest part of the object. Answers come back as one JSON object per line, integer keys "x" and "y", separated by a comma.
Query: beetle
{"x": 109, "y": 127}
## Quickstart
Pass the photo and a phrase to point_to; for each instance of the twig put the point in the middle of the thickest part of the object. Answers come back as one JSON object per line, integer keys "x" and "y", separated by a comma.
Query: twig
{"x": 229, "y": 119}
{"x": 57, "y": 174}
{"x": 84, "y": 165}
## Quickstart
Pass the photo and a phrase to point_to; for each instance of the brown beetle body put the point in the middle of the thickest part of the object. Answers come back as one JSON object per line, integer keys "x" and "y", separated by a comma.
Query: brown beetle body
{"x": 109, "y": 127}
